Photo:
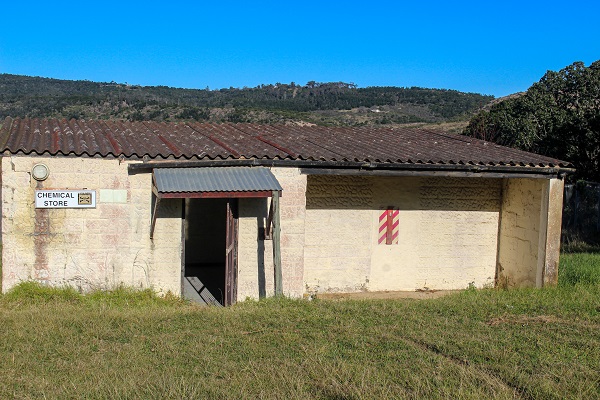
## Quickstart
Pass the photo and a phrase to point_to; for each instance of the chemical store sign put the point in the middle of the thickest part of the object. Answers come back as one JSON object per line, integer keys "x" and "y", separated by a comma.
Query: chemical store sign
{"x": 65, "y": 199}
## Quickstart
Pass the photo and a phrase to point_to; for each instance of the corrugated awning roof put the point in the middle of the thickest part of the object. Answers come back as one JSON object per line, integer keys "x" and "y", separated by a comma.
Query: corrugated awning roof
{"x": 214, "y": 180}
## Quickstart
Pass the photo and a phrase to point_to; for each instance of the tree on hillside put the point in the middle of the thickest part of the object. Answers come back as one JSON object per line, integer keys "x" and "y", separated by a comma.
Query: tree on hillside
{"x": 559, "y": 116}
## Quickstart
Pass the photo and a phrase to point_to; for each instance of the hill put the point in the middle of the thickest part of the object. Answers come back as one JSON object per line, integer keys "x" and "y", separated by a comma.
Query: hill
{"x": 333, "y": 103}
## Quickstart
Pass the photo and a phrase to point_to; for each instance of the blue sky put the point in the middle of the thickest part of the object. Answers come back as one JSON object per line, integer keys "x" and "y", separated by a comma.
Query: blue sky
{"x": 485, "y": 47}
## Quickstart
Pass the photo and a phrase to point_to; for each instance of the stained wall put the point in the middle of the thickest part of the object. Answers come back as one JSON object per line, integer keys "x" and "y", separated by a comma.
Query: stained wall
{"x": 88, "y": 249}
{"x": 255, "y": 261}
{"x": 448, "y": 231}
{"x": 108, "y": 246}
{"x": 453, "y": 232}
{"x": 529, "y": 242}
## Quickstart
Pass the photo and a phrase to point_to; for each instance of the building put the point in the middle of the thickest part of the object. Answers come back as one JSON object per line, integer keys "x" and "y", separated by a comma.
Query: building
{"x": 220, "y": 213}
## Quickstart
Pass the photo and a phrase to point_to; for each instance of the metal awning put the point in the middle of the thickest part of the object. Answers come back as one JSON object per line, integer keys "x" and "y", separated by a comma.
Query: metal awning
{"x": 224, "y": 182}
{"x": 206, "y": 182}
{"x": 214, "y": 182}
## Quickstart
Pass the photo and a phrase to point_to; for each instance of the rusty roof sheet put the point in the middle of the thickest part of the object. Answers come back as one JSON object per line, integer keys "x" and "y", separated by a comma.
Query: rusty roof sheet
{"x": 215, "y": 179}
{"x": 186, "y": 140}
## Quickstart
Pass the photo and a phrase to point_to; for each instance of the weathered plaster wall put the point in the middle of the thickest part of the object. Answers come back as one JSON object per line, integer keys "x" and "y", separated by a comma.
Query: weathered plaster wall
{"x": 556, "y": 189}
{"x": 255, "y": 262}
{"x": 293, "y": 214}
{"x": 338, "y": 234}
{"x": 255, "y": 273}
{"x": 519, "y": 232}
{"x": 447, "y": 237}
{"x": 449, "y": 232}
{"x": 530, "y": 224}
{"x": 87, "y": 248}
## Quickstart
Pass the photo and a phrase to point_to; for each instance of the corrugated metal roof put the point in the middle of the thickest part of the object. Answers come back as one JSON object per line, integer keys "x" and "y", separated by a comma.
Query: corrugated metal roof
{"x": 154, "y": 140}
{"x": 221, "y": 179}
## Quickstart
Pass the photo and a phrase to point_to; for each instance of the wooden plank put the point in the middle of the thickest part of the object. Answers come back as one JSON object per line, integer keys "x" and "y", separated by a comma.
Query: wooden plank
{"x": 228, "y": 255}
{"x": 190, "y": 293}
{"x": 269, "y": 227}
{"x": 196, "y": 291}
{"x": 234, "y": 286}
{"x": 231, "y": 237}
{"x": 183, "y": 232}
{"x": 277, "y": 245}
{"x": 154, "y": 212}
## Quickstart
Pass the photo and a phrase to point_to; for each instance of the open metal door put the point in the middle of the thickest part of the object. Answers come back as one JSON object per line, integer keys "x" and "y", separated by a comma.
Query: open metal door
{"x": 231, "y": 253}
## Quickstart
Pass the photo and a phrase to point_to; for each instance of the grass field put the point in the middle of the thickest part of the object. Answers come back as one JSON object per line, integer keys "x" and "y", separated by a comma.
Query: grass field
{"x": 475, "y": 344}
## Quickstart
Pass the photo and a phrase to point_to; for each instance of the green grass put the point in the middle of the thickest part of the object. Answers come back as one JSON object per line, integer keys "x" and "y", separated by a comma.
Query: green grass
{"x": 526, "y": 343}
{"x": 579, "y": 268}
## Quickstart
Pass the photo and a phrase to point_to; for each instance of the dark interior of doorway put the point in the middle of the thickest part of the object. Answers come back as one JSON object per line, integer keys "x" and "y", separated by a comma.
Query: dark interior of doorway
{"x": 205, "y": 256}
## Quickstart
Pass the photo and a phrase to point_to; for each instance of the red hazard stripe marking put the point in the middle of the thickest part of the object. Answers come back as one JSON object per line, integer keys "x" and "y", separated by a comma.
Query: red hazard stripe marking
{"x": 389, "y": 222}
{"x": 383, "y": 224}
{"x": 388, "y": 239}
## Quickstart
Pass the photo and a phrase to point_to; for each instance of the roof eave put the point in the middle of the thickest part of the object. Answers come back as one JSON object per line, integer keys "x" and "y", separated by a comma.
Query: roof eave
{"x": 370, "y": 168}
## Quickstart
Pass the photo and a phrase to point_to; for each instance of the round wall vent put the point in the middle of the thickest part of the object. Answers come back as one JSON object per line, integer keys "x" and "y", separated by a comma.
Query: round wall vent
{"x": 40, "y": 172}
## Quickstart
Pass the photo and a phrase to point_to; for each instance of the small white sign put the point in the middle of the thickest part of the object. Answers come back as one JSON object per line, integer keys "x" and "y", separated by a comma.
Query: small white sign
{"x": 65, "y": 199}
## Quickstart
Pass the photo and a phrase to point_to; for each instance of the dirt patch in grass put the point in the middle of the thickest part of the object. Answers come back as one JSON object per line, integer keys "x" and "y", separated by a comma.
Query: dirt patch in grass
{"x": 524, "y": 319}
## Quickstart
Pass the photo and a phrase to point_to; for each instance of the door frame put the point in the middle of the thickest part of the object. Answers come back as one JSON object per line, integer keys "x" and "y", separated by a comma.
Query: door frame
{"x": 231, "y": 252}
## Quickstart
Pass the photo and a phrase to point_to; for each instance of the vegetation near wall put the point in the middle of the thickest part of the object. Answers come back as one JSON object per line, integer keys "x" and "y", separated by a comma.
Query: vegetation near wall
{"x": 559, "y": 116}
{"x": 476, "y": 344}
{"x": 581, "y": 215}
{"x": 333, "y": 103}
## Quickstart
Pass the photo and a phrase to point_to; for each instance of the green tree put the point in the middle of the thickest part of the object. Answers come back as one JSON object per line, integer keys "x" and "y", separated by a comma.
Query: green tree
{"x": 559, "y": 116}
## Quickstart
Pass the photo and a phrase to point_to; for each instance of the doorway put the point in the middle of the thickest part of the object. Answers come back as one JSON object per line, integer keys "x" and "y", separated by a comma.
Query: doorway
{"x": 210, "y": 250}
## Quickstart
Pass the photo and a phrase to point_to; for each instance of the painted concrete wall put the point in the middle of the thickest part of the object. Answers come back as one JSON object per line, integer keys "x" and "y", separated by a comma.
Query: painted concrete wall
{"x": 87, "y": 248}
{"x": 447, "y": 234}
{"x": 519, "y": 232}
{"x": 556, "y": 188}
{"x": 107, "y": 246}
{"x": 255, "y": 262}
{"x": 529, "y": 242}
{"x": 339, "y": 230}
{"x": 293, "y": 215}
{"x": 448, "y": 237}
